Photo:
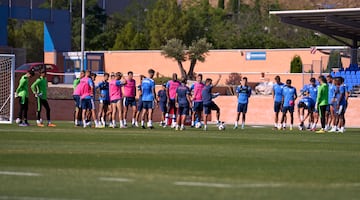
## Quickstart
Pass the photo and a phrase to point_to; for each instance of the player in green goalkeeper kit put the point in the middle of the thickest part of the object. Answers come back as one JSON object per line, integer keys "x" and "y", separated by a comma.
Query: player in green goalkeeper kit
{"x": 39, "y": 88}
{"x": 23, "y": 94}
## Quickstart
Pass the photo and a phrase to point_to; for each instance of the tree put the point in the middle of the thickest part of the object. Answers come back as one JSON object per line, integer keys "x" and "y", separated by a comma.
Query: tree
{"x": 165, "y": 21}
{"x": 197, "y": 52}
{"x": 176, "y": 50}
{"x": 221, "y": 4}
{"x": 124, "y": 38}
{"x": 334, "y": 61}
{"x": 28, "y": 35}
{"x": 296, "y": 65}
{"x": 234, "y": 5}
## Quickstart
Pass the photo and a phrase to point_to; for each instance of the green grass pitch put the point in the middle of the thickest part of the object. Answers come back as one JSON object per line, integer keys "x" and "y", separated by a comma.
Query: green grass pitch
{"x": 66, "y": 163}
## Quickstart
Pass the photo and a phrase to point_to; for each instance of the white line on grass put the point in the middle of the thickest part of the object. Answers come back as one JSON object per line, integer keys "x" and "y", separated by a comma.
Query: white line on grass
{"x": 203, "y": 184}
{"x": 224, "y": 185}
{"x": 30, "y": 198}
{"x": 260, "y": 185}
{"x": 112, "y": 179}
{"x": 19, "y": 173}
{"x": 339, "y": 185}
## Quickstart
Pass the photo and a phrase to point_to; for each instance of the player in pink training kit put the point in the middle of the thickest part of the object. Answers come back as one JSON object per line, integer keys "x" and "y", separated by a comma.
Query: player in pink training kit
{"x": 116, "y": 98}
{"x": 76, "y": 95}
{"x": 197, "y": 106}
{"x": 86, "y": 94}
{"x": 130, "y": 94}
{"x": 171, "y": 88}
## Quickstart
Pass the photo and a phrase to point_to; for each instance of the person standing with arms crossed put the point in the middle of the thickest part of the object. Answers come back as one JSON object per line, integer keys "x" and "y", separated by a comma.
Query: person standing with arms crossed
{"x": 39, "y": 88}
{"x": 244, "y": 92}
{"x": 104, "y": 99}
{"x": 322, "y": 101}
{"x": 183, "y": 100}
{"x": 130, "y": 100}
{"x": 171, "y": 87}
{"x": 116, "y": 98}
{"x": 197, "y": 103}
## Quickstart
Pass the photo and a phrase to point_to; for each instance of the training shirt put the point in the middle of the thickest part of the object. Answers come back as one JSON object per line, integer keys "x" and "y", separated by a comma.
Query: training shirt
{"x": 40, "y": 86}
{"x": 288, "y": 94}
{"x": 308, "y": 101}
{"x": 22, "y": 89}
{"x": 323, "y": 95}
{"x": 197, "y": 88}
{"x": 277, "y": 89}
{"x": 182, "y": 92}
{"x": 130, "y": 88}
{"x": 104, "y": 90}
{"x": 86, "y": 84}
{"x": 162, "y": 96}
{"x": 206, "y": 94}
{"x": 312, "y": 91}
{"x": 147, "y": 87}
{"x": 115, "y": 89}
{"x": 172, "y": 86}
{"x": 244, "y": 92}
{"x": 332, "y": 89}
{"x": 340, "y": 95}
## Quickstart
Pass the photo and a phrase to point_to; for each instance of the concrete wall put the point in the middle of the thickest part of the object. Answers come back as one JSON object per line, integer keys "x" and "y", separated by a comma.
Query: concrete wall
{"x": 260, "y": 111}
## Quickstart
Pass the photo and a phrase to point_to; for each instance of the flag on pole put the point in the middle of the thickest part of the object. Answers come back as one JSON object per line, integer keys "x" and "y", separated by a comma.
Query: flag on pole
{"x": 313, "y": 50}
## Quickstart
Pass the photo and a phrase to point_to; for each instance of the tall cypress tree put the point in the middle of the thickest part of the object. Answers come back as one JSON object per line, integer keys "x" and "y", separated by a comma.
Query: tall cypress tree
{"x": 221, "y": 4}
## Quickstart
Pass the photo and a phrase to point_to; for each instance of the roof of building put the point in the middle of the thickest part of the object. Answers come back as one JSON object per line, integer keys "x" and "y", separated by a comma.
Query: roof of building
{"x": 333, "y": 22}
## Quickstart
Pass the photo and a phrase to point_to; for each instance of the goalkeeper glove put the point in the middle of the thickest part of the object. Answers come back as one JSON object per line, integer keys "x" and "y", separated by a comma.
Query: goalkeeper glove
{"x": 38, "y": 94}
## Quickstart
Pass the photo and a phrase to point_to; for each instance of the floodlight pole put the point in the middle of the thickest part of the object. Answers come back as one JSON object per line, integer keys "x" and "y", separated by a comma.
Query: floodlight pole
{"x": 82, "y": 34}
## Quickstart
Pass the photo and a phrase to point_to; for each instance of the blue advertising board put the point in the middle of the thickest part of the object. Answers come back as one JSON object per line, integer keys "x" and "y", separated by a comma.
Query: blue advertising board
{"x": 258, "y": 55}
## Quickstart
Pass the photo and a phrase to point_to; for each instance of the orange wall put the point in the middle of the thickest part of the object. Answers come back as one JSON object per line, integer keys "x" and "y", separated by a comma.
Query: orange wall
{"x": 225, "y": 61}
{"x": 217, "y": 61}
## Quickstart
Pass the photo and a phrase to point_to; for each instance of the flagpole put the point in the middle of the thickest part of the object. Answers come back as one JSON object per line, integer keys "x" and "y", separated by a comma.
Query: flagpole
{"x": 82, "y": 34}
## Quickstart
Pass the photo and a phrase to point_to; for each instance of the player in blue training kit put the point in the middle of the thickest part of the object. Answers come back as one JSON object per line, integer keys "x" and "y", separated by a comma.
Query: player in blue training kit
{"x": 277, "y": 96}
{"x": 208, "y": 103}
{"x": 104, "y": 99}
{"x": 244, "y": 92}
{"x": 312, "y": 89}
{"x": 162, "y": 101}
{"x": 330, "y": 108}
{"x": 339, "y": 106}
{"x": 148, "y": 97}
{"x": 183, "y": 100}
{"x": 305, "y": 103}
{"x": 289, "y": 97}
